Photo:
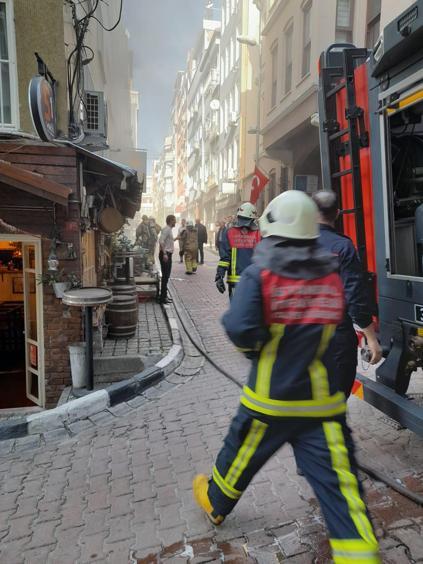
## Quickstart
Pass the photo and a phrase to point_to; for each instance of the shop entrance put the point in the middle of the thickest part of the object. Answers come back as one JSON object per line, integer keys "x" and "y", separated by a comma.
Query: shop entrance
{"x": 21, "y": 330}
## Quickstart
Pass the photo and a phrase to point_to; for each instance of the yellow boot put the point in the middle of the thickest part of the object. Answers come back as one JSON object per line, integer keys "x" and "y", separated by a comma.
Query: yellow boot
{"x": 200, "y": 486}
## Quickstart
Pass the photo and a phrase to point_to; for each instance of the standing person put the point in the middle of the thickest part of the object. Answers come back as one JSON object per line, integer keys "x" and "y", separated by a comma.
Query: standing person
{"x": 180, "y": 239}
{"x": 190, "y": 239}
{"x": 142, "y": 232}
{"x": 357, "y": 311}
{"x": 152, "y": 241}
{"x": 167, "y": 245}
{"x": 219, "y": 235}
{"x": 283, "y": 315}
{"x": 237, "y": 247}
{"x": 202, "y": 240}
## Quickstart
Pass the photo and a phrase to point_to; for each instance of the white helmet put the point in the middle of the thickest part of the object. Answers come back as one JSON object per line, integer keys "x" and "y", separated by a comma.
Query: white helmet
{"x": 293, "y": 215}
{"x": 247, "y": 210}
{"x": 190, "y": 223}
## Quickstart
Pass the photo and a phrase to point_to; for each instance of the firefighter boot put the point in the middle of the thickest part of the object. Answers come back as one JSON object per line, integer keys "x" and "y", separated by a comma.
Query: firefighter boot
{"x": 200, "y": 485}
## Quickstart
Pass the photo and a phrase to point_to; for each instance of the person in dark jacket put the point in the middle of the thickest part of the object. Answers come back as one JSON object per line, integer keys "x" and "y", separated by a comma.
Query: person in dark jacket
{"x": 219, "y": 235}
{"x": 202, "y": 240}
{"x": 357, "y": 311}
{"x": 237, "y": 247}
{"x": 283, "y": 316}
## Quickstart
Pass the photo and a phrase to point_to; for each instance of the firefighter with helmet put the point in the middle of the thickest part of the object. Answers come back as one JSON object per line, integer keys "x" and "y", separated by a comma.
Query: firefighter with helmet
{"x": 283, "y": 315}
{"x": 237, "y": 247}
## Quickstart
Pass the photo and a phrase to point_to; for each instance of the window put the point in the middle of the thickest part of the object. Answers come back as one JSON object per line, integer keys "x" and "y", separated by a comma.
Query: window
{"x": 373, "y": 23}
{"x": 8, "y": 116}
{"x": 288, "y": 59}
{"x": 274, "y": 91}
{"x": 344, "y": 21}
{"x": 306, "y": 39}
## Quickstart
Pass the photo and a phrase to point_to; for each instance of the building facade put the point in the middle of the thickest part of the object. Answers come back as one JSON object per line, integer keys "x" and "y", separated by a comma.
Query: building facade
{"x": 54, "y": 193}
{"x": 179, "y": 122}
{"x": 202, "y": 122}
{"x": 294, "y": 34}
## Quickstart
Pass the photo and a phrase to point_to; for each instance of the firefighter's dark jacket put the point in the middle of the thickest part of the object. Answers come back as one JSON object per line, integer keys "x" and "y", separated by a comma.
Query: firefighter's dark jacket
{"x": 351, "y": 272}
{"x": 236, "y": 251}
{"x": 283, "y": 316}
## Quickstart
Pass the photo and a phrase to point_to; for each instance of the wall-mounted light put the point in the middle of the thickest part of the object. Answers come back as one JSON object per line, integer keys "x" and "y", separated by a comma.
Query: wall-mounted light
{"x": 53, "y": 261}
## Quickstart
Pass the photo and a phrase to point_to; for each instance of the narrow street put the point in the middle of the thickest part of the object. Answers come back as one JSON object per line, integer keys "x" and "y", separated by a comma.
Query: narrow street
{"x": 119, "y": 491}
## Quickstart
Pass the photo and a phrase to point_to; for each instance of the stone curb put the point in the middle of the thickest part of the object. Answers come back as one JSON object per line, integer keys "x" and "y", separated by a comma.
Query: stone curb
{"x": 96, "y": 402}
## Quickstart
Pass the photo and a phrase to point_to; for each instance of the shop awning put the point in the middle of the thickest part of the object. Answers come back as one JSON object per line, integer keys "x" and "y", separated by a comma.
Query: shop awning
{"x": 34, "y": 183}
{"x": 100, "y": 172}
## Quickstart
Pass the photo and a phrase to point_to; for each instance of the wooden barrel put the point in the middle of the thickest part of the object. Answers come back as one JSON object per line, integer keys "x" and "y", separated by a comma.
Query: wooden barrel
{"x": 123, "y": 289}
{"x": 122, "y": 316}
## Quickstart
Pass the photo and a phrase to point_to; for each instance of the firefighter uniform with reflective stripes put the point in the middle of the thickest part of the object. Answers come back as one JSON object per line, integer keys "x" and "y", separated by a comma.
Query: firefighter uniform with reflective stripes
{"x": 236, "y": 252}
{"x": 283, "y": 316}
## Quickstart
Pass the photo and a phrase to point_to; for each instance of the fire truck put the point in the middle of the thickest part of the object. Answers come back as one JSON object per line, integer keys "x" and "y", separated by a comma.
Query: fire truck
{"x": 371, "y": 137}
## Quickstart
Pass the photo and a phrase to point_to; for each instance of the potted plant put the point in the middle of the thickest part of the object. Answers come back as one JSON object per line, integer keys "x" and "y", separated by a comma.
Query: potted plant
{"x": 59, "y": 281}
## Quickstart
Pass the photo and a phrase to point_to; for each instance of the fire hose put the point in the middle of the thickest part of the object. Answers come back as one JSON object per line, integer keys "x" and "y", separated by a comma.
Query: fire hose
{"x": 369, "y": 470}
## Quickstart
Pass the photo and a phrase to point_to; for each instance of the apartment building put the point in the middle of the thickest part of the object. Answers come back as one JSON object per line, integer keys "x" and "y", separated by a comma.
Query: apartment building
{"x": 179, "y": 122}
{"x": 293, "y": 36}
{"x": 202, "y": 121}
{"x": 238, "y": 103}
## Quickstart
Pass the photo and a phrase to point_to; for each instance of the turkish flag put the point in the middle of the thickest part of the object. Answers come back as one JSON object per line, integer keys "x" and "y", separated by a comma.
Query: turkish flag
{"x": 258, "y": 184}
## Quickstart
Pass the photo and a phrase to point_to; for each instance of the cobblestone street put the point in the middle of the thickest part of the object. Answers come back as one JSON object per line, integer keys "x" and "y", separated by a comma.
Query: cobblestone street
{"x": 119, "y": 490}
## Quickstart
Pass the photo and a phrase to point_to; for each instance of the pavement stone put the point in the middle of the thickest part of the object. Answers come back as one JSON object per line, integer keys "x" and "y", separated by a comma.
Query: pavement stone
{"x": 122, "y": 483}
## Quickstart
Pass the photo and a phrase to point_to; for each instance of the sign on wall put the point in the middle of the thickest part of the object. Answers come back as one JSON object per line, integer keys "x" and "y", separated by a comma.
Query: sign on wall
{"x": 42, "y": 107}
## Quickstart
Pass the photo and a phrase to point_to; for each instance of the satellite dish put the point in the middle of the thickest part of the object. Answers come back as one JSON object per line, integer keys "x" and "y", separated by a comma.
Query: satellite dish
{"x": 215, "y": 105}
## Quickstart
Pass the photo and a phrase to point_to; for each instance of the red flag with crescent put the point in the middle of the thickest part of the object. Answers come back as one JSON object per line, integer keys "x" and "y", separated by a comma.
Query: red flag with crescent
{"x": 258, "y": 184}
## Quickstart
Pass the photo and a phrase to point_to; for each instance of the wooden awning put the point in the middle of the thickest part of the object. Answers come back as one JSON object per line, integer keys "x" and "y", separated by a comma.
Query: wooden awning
{"x": 34, "y": 183}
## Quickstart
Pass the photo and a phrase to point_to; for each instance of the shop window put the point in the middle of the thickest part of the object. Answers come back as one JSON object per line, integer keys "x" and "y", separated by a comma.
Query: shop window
{"x": 306, "y": 39}
{"x": 8, "y": 108}
{"x": 344, "y": 21}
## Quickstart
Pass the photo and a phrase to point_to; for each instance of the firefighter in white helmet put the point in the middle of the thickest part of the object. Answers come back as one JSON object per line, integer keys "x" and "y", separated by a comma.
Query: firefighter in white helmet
{"x": 237, "y": 247}
{"x": 283, "y": 316}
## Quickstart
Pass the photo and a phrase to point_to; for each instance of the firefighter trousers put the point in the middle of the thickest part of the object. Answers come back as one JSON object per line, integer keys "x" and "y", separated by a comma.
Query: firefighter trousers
{"x": 324, "y": 452}
{"x": 191, "y": 261}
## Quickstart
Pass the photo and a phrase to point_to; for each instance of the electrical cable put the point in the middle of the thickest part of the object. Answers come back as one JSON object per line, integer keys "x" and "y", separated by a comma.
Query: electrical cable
{"x": 370, "y": 471}
{"x": 116, "y": 24}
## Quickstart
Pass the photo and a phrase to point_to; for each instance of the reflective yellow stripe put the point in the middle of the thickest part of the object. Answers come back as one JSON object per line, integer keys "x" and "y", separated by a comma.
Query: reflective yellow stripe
{"x": 233, "y": 279}
{"x": 248, "y": 448}
{"x": 267, "y": 360}
{"x": 233, "y": 264}
{"x": 223, "y": 263}
{"x": 348, "y": 482}
{"x": 408, "y": 101}
{"x": 317, "y": 370}
{"x": 325, "y": 407}
{"x": 226, "y": 489}
{"x": 346, "y": 551}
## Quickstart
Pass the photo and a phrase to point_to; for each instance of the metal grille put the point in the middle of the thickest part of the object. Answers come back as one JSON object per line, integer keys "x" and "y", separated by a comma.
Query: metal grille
{"x": 92, "y": 109}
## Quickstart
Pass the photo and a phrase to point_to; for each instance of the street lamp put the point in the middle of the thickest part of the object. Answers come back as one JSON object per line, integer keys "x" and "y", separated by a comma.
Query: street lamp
{"x": 251, "y": 42}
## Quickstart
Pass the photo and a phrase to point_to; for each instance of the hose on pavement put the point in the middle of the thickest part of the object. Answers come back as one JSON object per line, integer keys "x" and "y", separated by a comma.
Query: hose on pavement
{"x": 369, "y": 470}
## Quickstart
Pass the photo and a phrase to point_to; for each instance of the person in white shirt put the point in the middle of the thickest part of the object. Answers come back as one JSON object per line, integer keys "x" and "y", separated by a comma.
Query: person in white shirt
{"x": 167, "y": 246}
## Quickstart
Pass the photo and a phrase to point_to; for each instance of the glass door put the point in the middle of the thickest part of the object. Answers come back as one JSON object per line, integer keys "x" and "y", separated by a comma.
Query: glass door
{"x": 31, "y": 255}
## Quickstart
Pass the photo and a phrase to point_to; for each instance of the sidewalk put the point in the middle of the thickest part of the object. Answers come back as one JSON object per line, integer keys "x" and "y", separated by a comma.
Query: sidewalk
{"x": 119, "y": 490}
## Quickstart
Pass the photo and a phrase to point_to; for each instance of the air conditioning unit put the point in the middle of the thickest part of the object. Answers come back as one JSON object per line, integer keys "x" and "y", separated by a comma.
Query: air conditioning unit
{"x": 233, "y": 118}
{"x": 95, "y": 113}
